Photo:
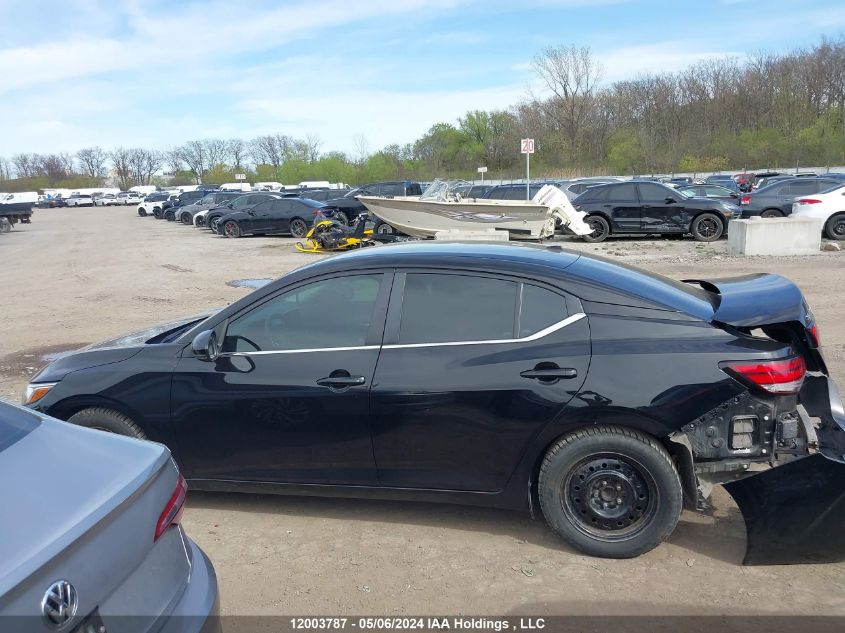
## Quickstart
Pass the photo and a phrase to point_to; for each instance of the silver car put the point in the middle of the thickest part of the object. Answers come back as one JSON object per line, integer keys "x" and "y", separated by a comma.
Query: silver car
{"x": 90, "y": 539}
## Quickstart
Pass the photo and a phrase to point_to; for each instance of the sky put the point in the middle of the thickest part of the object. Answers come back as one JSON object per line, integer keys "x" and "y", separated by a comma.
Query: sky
{"x": 157, "y": 73}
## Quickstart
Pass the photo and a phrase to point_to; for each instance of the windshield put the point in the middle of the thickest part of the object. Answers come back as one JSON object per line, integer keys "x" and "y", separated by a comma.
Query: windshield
{"x": 689, "y": 193}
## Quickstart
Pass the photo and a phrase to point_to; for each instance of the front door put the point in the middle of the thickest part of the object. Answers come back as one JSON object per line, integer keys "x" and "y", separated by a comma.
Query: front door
{"x": 473, "y": 366}
{"x": 663, "y": 209}
{"x": 287, "y": 400}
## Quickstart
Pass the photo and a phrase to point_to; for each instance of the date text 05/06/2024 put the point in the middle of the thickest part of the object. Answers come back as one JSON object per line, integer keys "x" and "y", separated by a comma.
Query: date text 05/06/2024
{"x": 416, "y": 624}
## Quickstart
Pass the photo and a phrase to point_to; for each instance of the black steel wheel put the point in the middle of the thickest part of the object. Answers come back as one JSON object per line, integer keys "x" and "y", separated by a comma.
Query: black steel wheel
{"x": 231, "y": 229}
{"x": 383, "y": 228}
{"x": 298, "y": 227}
{"x": 601, "y": 229}
{"x": 610, "y": 491}
{"x": 707, "y": 227}
{"x": 835, "y": 227}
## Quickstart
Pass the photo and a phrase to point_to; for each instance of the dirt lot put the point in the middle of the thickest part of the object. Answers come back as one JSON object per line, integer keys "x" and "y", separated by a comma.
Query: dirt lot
{"x": 76, "y": 276}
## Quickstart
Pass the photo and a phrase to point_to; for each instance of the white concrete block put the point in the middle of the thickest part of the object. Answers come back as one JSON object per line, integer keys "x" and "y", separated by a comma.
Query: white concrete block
{"x": 482, "y": 235}
{"x": 774, "y": 236}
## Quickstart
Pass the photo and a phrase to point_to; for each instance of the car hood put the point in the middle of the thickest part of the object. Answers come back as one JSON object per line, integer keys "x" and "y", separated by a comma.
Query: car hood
{"x": 113, "y": 350}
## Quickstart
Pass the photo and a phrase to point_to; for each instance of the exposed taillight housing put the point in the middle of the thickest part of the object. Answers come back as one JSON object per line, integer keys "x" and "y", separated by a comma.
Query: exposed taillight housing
{"x": 780, "y": 377}
{"x": 745, "y": 200}
{"x": 807, "y": 201}
{"x": 172, "y": 513}
{"x": 815, "y": 337}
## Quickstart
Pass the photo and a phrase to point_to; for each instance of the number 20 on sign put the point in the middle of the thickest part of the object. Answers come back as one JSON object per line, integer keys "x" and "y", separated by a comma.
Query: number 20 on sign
{"x": 527, "y": 146}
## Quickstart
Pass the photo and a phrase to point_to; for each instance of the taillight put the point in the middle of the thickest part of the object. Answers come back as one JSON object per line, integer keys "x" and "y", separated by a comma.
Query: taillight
{"x": 807, "y": 201}
{"x": 814, "y": 334}
{"x": 745, "y": 200}
{"x": 780, "y": 377}
{"x": 172, "y": 513}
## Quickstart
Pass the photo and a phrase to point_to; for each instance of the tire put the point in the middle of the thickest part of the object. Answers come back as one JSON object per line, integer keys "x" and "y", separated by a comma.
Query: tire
{"x": 5, "y": 225}
{"x": 601, "y": 229}
{"x": 582, "y": 471}
{"x": 170, "y": 216}
{"x": 187, "y": 219}
{"x": 298, "y": 227}
{"x": 157, "y": 213}
{"x": 383, "y": 228}
{"x": 772, "y": 213}
{"x": 834, "y": 228}
{"x": 142, "y": 213}
{"x": 231, "y": 229}
{"x": 707, "y": 227}
{"x": 107, "y": 420}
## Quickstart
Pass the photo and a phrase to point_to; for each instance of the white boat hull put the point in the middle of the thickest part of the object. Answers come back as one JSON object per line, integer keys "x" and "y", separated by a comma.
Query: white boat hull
{"x": 425, "y": 218}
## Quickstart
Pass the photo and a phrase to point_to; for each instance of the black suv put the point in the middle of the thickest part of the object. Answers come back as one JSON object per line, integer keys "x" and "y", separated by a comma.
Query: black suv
{"x": 651, "y": 207}
{"x": 352, "y": 208}
{"x": 515, "y": 191}
{"x": 186, "y": 197}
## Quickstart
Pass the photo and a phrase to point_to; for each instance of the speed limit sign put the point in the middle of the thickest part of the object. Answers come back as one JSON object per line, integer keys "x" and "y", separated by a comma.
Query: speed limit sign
{"x": 527, "y": 146}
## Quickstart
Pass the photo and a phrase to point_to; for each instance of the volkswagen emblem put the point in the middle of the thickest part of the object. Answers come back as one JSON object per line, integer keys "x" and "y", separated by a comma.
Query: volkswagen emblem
{"x": 59, "y": 603}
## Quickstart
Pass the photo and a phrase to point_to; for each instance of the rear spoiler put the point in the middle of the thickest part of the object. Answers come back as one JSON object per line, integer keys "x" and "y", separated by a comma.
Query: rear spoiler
{"x": 756, "y": 300}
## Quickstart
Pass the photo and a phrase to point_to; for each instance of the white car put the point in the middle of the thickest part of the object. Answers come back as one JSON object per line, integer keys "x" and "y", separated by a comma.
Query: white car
{"x": 80, "y": 200}
{"x": 829, "y": 207}
{"x": 153, "y": 202}
{"x": 107, "y": 200}
{"x": 199, "y": 218}
{"x": 133, "y": 197}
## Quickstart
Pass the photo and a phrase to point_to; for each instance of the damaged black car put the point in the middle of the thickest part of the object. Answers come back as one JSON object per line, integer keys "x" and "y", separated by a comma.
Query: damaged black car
{"x": 522, "y": 377}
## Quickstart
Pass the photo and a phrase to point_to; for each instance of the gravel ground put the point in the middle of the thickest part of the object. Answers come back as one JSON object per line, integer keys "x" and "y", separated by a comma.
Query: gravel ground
{"x": 75, "y": 276}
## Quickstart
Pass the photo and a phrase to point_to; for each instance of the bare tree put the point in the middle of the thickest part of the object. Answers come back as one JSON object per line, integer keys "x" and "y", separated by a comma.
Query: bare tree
{"x": 143, "y": 163}
{"x": 266, "y": 150}
{"x": 26, "y": 165}
{"x": 216, "y": 151}
{"x": 236, "y": 151}
{"x": 93, "y": 161}
{"x": 194, "y": 155}
{"x": 5, "y": 169}
{"x": 362, "y": 149}
{"x": 572, "y": 75}
{"x": 313, "y": 144}
{"x": 121, "y": 161}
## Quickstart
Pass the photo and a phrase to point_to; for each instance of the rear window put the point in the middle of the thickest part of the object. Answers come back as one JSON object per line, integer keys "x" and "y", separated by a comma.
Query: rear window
{"x": 540, "y": 309}
{"x": 15, "y": 424}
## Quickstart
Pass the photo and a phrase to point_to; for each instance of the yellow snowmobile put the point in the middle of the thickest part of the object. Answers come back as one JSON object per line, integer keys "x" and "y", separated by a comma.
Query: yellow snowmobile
{"x": 331, "y": 235}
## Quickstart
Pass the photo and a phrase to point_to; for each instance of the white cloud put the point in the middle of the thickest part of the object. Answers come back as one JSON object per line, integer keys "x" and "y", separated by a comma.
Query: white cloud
{"x": 661, "y": 57}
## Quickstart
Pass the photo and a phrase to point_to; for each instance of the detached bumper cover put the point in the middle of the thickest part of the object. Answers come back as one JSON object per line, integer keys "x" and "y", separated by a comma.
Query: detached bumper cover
{"x": 795, "y": 513}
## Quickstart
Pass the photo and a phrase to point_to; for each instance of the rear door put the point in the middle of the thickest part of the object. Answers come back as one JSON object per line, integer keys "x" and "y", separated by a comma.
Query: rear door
{"x": 473, "y": 366}
{"x": 624, "y": 208}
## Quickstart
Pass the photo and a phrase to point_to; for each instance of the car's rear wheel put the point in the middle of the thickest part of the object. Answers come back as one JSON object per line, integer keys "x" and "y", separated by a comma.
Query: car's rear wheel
{"x": 707, "y": 227}
{"x": 610, "y": 491}
{"x": 107, "y": 420}
{"x": 834, "y": 228}
{"x": 298, "y": 227}
{"x": 231, "y": 229}
{"x": 772, "y": 213}
{"x": 187, "y": 219}
{"x": 601, "y": 229}
{"x": 157, "y": 213}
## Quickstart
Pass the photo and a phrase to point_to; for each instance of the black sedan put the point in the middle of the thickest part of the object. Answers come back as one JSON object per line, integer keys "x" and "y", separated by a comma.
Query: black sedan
{"x": 498, "y": 375}
{"x": 651, "y": 207}
{"x": 278, "y": 216}
{"x": 241, "y": 203}
{"x": 775, "y": 200}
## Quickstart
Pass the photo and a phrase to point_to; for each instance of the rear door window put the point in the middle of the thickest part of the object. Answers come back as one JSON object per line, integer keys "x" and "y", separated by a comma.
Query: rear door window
{"x": 652, "y": 192}
{"x": 540, "y": 308}
{"x": 438, "y": 308}
{"x": 622, "y": 193}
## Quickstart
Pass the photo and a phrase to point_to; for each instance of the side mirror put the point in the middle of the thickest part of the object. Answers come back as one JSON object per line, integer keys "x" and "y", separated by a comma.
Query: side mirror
{"x": 205, "y": 347}
{"x": 670, "y": 200}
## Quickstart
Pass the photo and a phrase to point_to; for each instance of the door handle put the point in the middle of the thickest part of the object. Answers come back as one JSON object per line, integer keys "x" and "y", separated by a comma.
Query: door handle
{"x": 340, "y": 379}
{"x": 550, "y": 373}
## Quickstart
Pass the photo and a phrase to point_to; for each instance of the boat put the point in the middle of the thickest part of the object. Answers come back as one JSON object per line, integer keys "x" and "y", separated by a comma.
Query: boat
{"x": 442, "y": 208}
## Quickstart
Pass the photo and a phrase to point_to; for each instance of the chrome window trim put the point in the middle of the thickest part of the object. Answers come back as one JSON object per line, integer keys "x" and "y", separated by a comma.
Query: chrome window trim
{"x": 525, "y": 339}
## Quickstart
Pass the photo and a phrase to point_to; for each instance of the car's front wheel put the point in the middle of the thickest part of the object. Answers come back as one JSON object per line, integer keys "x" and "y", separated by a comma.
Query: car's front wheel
{"x": 610, "y": 491}
{"x": 298, "y": 227}
{"x": 231, "y": 229}
{"x": 601, "y": 229}
{"x": 142, "y": 212}
{"x": 834, "y": 228}
{"x": 107, "y": 420}
{"x": 707, "y": 227}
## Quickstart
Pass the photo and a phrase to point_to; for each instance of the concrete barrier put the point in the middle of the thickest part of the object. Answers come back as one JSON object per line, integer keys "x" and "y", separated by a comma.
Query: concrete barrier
{"x": 774, "y": 236}
{"x": 482, "y": 235}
